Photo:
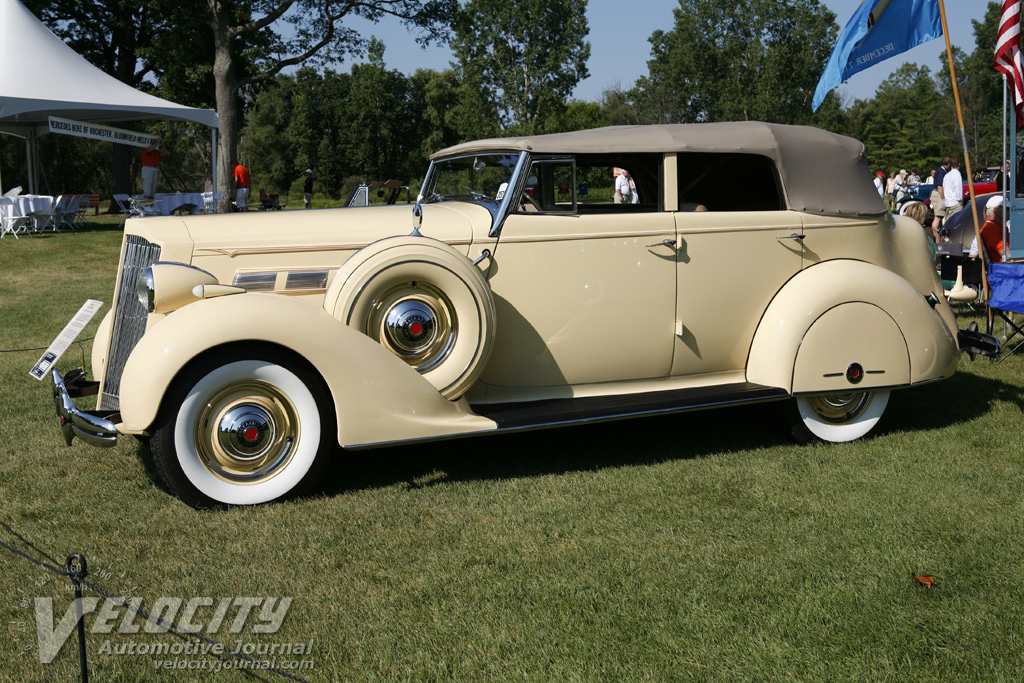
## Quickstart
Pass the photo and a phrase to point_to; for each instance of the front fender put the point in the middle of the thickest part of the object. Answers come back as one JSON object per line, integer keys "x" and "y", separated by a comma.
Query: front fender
{"x": 377, "y": 397}
{"x": 841, "y": 312}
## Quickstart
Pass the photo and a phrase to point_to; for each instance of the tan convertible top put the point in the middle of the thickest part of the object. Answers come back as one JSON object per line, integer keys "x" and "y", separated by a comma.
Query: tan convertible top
{"x": 822, "y": 173}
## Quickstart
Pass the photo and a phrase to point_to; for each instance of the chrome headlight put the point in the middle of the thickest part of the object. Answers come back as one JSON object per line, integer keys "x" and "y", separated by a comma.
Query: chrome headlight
{"x": 167, "y": 286}
{"x": 144, "y": 289}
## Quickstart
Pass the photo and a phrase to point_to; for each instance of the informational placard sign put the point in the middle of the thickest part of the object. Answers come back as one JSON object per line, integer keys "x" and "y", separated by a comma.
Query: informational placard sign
{"x": 65, "y": 338}
{"x": 98, "y": 131}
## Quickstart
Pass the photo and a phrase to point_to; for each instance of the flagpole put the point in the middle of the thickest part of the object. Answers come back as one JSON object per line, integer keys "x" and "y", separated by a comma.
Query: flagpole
{"x": 1002, "y": 170}
{"x": 967, "y": 156}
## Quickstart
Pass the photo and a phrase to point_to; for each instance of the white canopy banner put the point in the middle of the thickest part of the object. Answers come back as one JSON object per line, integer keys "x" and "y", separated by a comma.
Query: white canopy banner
{"x": 98, "y": 131}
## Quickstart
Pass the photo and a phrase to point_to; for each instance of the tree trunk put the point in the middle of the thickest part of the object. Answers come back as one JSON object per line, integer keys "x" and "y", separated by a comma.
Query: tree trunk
{"x": 226, "y": 94}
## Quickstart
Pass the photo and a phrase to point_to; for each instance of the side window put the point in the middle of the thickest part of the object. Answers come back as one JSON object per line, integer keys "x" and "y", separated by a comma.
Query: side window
{"x": 619, "y": 183}
{"x": 729, "y": 182}
{"x": 550, "y": 187}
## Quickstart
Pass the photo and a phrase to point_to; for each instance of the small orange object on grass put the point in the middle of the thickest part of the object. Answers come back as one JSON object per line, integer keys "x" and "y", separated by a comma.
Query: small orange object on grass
{"x": 928, "y": 581}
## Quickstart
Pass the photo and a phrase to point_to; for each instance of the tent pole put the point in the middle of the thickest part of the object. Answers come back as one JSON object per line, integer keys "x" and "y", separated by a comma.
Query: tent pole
{"x": 29, "y": 144}
{"x": 967, "y": 156}
{"x": 213, "y": 168}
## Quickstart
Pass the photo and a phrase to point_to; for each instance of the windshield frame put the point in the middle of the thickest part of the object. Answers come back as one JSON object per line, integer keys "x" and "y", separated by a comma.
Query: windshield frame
{"x": 498, "y": 210}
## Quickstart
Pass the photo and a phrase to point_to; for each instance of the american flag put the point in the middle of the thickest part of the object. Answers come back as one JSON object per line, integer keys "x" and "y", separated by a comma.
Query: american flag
{"x": 1008, "y": 59}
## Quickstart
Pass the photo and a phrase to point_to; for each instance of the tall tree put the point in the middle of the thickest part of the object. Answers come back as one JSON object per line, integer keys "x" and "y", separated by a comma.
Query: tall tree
{"x": 318, "y": 34}
{"x": 525, "y": 56}
{"x": 726, "y": 60}
{"x": 906, "y": 124}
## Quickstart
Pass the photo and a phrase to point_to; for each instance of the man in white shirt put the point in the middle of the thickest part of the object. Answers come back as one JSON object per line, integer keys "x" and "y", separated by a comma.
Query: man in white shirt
{"x": 879, "y": 185}
{"x": 622, "y": 193}
{"x": 952, "y": 190}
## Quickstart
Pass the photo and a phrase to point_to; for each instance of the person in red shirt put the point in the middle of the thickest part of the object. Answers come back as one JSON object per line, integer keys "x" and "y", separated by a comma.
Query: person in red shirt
{"x": 991, "y": 231}
{"x": 150, "y": 160}
{"x": 242, "y": 184}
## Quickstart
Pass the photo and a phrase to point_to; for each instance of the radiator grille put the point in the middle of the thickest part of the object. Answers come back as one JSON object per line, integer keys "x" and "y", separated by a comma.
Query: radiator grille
{"x": 129, "y": 316}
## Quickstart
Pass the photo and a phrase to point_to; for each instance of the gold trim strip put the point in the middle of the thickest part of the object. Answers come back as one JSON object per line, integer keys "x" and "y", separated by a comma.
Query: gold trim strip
{"x": 239, "y": 251}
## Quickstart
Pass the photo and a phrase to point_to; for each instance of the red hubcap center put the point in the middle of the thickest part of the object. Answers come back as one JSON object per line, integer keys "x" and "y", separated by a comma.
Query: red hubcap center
{"x": 416, "y": 329}
{"x": 251, "y": 433}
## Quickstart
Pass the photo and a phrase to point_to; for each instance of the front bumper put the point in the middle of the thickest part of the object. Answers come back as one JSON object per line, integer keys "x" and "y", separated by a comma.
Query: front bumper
{"x": 95, "y": 427}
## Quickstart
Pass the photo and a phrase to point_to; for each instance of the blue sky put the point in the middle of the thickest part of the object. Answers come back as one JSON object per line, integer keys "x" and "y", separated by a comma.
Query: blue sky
{"x": 620, "y": 51}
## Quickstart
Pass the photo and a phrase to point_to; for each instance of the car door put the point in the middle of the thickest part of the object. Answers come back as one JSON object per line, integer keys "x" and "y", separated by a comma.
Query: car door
{"x": 731, "y": 264}
{"x": 584, "y": 293}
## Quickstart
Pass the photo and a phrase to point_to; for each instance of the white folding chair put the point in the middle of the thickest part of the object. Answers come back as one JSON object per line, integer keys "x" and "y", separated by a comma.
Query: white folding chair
{"x": 10, "y": 221}
{"x": 44, "y": 218}
{"x": 70, "y": 211}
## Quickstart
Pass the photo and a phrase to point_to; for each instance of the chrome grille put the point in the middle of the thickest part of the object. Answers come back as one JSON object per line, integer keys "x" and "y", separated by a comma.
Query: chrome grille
{"x": 129, "y": 322}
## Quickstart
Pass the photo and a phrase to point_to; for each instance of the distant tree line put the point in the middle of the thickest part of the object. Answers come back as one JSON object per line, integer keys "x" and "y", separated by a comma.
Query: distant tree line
{"x": 516, "y": 63}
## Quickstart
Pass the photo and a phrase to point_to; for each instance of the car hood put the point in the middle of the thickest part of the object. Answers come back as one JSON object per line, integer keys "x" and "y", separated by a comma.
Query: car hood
{"x": 321, "y": 229}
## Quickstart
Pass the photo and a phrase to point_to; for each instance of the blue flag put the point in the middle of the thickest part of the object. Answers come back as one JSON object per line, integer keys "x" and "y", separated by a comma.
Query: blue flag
{"x": 879, "y": 29}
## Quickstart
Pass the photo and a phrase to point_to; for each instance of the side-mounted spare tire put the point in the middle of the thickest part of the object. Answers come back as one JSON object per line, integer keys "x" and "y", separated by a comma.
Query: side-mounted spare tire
{"x": 423, "y": 301}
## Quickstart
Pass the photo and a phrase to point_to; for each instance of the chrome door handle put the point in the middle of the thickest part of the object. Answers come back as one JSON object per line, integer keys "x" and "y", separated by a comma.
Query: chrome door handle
{"x": 793, "y": 236}
{"x": 664, "y": 243}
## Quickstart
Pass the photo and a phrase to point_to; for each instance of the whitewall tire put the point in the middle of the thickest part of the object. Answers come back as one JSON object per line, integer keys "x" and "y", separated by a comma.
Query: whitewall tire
{"x": 243, "y": 430}
{"x": 837, "y": 417}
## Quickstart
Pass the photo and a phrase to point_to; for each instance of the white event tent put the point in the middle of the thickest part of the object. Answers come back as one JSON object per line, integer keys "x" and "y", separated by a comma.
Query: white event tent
{"x": 40, "y": 77}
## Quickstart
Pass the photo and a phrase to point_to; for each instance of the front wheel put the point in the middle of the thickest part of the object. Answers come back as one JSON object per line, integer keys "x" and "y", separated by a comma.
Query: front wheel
{"x": 249, "y": 429}
{"x": 837, "y": 417}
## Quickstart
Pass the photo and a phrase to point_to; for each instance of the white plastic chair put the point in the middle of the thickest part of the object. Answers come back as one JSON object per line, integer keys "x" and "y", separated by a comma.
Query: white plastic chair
{"x": 10, "y": 221}
{"x": 69, "y": 211}
{"x": 44, "y": 219}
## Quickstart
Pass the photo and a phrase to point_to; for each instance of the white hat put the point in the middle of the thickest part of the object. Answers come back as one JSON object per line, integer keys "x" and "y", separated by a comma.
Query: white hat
{"x": 994, "y": 201}
{"x": 309, "y": 170}
{"x": 902, "y": 172}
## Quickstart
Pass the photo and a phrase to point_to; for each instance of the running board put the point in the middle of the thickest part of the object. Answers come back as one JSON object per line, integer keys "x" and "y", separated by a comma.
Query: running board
{"x": 533, "y": 414}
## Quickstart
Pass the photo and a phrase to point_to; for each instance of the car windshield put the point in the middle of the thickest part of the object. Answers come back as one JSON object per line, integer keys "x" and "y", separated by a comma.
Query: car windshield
{"x": 480, "y": 178}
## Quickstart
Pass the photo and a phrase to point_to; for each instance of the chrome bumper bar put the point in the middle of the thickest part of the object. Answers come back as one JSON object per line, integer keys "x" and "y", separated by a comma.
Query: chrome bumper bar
{"x": 95, "y": 427}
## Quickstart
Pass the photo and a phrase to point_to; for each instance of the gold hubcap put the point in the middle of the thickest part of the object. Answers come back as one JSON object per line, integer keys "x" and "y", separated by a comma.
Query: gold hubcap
{"x": 416, "y": 322}
{"x": 840, "y": 408}
{"x": 246, "y": 432}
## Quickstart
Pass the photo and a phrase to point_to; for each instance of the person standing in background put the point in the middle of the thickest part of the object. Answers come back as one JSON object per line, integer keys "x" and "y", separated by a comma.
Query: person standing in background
{"x": 243, "y": 182}
{"x": 879, "y": 185}
{"x": 307, "y": 189}
{"x": 150, "y": 160}
{"x": 952, "y": 190}
{"x": 938, "y": 206}
{"x": 890, "y": 191}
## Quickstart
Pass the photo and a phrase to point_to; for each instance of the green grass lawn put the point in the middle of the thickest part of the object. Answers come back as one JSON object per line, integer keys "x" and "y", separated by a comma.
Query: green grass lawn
{"x": 696, "y": 547}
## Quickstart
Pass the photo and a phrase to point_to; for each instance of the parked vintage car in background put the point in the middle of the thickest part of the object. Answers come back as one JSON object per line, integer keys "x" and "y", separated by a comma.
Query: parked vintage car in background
{"x": 248, "y": 347}
{"x": 922, "y": 194}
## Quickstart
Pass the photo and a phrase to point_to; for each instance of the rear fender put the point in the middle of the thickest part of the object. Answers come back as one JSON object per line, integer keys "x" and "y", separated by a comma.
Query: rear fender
{"x": 377, "y": 397}
{"x": 839, "y": 315}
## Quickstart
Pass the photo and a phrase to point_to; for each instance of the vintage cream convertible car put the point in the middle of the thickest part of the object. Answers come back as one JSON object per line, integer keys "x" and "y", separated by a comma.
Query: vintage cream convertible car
{"x": 521, "y": 291}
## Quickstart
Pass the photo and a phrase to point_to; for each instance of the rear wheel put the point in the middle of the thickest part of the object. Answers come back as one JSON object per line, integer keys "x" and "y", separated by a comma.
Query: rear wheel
{"x": 241, "y": 430}
{"x": 837, "y": 417}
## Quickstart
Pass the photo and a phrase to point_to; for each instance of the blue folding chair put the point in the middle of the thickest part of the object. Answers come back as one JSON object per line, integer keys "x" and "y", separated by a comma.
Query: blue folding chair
{"x": 1007, "y": 283}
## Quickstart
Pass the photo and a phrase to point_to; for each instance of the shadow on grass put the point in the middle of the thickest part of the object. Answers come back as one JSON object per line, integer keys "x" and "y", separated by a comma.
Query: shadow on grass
{"x": 643, "y": 441}
{"x": 632, "y": 442}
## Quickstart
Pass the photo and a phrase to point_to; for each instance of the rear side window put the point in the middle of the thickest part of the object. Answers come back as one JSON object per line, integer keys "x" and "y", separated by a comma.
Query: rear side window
{"x": 729, "y": 182}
